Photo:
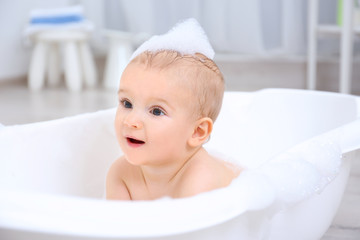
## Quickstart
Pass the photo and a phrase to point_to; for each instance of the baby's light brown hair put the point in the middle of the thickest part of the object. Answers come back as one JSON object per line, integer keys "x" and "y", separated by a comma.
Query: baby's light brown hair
{"x": 197, "y": 72}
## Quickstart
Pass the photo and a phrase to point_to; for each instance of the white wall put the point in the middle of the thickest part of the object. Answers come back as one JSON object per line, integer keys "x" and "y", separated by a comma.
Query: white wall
{"x": 14, "y": 53}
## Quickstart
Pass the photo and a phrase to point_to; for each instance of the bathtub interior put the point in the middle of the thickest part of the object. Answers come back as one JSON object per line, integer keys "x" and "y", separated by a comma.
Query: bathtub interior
{"x": 70, "y": 157}
{"x": 276, "y": 120}
{"x": 65, "y": 156}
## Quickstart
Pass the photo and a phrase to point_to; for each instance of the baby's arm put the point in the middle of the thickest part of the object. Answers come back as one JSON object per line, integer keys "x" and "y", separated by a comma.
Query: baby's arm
{"x": 116, "y": 188}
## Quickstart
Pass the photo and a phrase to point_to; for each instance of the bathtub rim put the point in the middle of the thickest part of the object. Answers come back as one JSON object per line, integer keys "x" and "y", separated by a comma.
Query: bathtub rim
{"x": 191, "y": 223}
{"x": 80, "y": 226}
{"x": 83, "y": 230}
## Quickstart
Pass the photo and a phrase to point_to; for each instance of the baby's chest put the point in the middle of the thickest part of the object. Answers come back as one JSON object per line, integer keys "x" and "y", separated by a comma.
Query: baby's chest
{"x": 141, "y": 191}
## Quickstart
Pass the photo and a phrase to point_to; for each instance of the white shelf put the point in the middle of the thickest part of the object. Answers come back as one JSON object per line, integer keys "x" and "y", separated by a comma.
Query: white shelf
{"x": 344, "y": 32}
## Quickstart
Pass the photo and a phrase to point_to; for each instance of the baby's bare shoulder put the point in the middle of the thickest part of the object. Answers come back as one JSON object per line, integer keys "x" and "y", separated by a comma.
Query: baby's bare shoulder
{"x": 118, "y": 167}
{"x": 206, "y": 175}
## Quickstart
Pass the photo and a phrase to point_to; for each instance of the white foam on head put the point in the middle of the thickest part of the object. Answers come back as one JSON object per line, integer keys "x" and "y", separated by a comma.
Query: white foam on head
{"x": 186, "y": 37}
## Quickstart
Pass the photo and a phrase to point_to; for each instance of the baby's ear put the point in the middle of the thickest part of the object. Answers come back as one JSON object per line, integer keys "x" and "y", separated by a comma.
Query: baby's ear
{"x": 202, "y": 131}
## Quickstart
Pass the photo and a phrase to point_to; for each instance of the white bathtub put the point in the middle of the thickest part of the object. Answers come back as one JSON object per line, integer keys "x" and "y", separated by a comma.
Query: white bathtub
{"x": 52, "y": 174}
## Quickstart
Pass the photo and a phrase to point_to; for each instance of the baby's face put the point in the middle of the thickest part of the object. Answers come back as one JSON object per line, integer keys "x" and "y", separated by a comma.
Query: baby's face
{"x": 154, "y": 118}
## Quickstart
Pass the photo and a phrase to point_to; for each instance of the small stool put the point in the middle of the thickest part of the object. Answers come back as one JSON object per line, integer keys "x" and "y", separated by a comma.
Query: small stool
{"x": 121, "y": 47}
{"x": 78, "y": 61}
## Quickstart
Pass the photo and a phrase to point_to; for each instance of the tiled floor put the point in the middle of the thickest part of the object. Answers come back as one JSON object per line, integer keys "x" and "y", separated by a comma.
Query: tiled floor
{"x": 18, "y": 106}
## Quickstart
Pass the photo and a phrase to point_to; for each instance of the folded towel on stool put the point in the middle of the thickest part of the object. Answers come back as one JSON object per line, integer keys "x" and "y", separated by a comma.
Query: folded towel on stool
{"x": 67, "y": 18}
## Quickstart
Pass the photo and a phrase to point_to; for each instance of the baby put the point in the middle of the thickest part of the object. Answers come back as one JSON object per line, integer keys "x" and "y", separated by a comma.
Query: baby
{"x": 168, "y": 102}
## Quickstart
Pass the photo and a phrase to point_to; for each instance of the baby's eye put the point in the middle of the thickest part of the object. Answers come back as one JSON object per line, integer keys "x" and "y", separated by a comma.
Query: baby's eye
{"x": 157, "y": 112}
{"x": 126, "y": 103}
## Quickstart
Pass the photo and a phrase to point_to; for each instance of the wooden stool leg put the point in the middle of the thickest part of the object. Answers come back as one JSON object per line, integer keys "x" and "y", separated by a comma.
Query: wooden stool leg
{"x": 54, "y": 68}
{"x": 36, "y": 75}
{"x": 88, "y": 65}
{"x": 118, "y": 57}
{"x": 72, "y": 66}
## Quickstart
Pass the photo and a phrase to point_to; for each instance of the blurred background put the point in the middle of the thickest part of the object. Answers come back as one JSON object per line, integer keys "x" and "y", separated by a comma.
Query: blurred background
{"x": 259, "y": 44}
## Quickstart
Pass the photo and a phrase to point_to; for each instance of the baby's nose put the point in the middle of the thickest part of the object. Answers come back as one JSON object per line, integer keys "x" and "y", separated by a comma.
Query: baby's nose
{"x": 133, "y": 120}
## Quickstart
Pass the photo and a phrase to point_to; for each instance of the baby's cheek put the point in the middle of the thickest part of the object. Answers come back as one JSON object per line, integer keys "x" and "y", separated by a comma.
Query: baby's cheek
{"x": 117, "y": 126}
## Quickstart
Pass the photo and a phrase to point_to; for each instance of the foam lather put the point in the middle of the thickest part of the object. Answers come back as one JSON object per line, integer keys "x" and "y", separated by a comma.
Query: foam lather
{"x": 186, "y": 37}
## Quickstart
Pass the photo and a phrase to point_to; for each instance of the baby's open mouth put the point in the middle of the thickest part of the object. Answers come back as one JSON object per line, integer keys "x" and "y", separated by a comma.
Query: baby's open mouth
{"x": 134, "y": 141}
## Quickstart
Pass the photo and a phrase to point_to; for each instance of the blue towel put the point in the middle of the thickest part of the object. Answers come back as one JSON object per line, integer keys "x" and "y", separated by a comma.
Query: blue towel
{"x": 57, "y": 19}
{"x": 65, "y": 18}
{"x": 57, "y": 16}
